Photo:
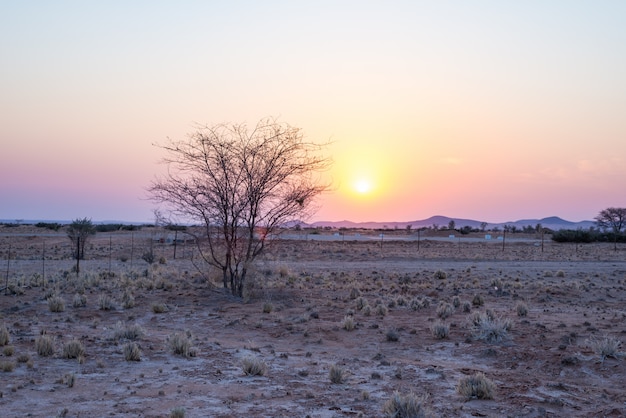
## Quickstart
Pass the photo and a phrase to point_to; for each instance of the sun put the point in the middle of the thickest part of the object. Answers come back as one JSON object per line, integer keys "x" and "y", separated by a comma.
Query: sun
{"x": 362, "y": 186}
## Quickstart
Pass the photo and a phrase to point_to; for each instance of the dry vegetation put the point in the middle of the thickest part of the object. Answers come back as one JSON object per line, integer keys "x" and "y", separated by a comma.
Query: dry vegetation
{"x": 326, "y": 329}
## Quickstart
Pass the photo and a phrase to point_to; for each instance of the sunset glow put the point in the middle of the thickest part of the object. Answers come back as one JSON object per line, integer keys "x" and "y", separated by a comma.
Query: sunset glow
{"x": 497, "y": 112}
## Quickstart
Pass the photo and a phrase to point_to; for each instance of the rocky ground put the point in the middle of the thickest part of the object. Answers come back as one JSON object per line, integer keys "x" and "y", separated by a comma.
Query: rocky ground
{"x": 335, "y": 328}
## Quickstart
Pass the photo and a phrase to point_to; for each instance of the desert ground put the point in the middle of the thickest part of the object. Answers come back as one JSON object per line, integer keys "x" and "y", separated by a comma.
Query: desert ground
{"x": 327, "y": 328}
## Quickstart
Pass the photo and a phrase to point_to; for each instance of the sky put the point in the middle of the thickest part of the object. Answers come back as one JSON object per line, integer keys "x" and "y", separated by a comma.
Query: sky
{"x": 487, "y": 110}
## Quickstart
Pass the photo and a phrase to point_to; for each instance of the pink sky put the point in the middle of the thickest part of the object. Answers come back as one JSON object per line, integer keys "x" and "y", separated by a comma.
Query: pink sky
{"x": 493, "y": 111}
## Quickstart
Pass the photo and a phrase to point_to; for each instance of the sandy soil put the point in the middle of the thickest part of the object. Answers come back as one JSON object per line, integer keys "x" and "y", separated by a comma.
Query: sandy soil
{"x": 293, "y": 320}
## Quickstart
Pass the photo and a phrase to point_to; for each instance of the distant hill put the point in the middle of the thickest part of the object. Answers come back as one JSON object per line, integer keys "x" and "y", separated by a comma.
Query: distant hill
{"x": 552, "y": 222}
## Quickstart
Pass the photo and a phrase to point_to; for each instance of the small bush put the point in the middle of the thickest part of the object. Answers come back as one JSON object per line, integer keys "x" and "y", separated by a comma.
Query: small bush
{"x": 73, "y": 349}
{"x": 44, "y": 345}
{"x": 23, "y": 358}
{"x": 456, "y": 301}
{"x": 440, "y": 274}
{"x": 444, "y": 310}
{"x": 4, "y": 336}
{"x": 105, "y": 303}
{"x": 56, "y": 304}
{"x": 606, "y": 346}
{"x": 392, "y": 335}
{"x": 560, "y": 273}
{"x": 490, "y": 329}
{"x": 128, "y": 332}
{"x": 181, "y": 344}
{"x": 132, "y": 352}
{"x": 478, "y": 300}
{"x": 466, "y": 307}
{"x": 8, "y": 350}
{"x": 355, "y": 293}
{"x": 336, "y": 374}
{"x": 253, "y": 366}
{"x": 178, "y": 412}
{"x": 70, "y": 380}
{"x": 440, "y": 330}
{"x": 128, "y": 300}
{"x": 405, "y": 406}
{"x": 268, "y": 307}
{"x": 476, "y": 386}
{"x": 381, "y": 310}
{"x": 360, "y": 303}
{"x": 79, "y": 301}
{"x": 158, "y": 308}
{"x": 521, "y": 308}
{"x": 348, "y": 323}
{"x": 7, "y": 366}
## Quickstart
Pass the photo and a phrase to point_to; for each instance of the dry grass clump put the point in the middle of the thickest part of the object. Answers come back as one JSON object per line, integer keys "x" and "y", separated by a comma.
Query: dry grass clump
{"x": 489, "y": 328}
{"x": 419, "y": 303}
{"x": 8, "y": 350}
{"x": 476, "y": 386}
{"x": 392, "y": 335}
{"x": 178, "y": 412}
{"x": 127, "y": 332}
{"x": 560, "y": 273}
{"x": 355, "y": 293}
{"x": 253, "y": 366}
{"x": 181, "y": 344}
{"x": 405, "y": 406}
{"x": 7, "y": 366}
{"x": 348, "y": 323}
{"x": 478, "y": 300}
{"x": 105, "y": 303}
{"x": 23, "y": 358}
{"x": 336, "y": 374}
{"x": 56, "y": 304}
{"x": 73, "y": 349}
{"x": 79, "y": 301}
{"x": 128, "y": 300}
{"x": 360, "y": 303}
{"x": 158, "y": 308}
{"x": 466, "y": 307}
{"x": 521, "y": 308}
{"x": 381, "y": 310}
{"x": 606, "y": 346}
{"x": 444, "y": 310}
{"x": 44, "y": 345}
{"x": 132, "y": 352}
{"x": 440, "y": 274}
{"x": 268, "y": 307}
{"x": 440, "y": 330}
{"x": 4, "y": 336}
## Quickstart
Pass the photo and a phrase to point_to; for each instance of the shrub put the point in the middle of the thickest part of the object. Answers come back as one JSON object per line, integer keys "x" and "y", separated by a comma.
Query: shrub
{"x": 336, "y": 374}
{"x": 360, "y": 303}
{"x": 268, "y": 307}
{"x": 605, "y": 347}
{"x": 56, "y": 304}
{"x": 132, "y": 352}
{"x": 521, "y": 308}
{"x": 128, "y": 332}
{"x": 440, "y": 330}
{"x": 381, "y": 310}
{"x": 7, "y": 366}
{"x": 4, "y": 336}
{"x": 44, "y": 345}
{"x": 490, "y": 329}
{"x": 456, "y": 301}
{"x": 405, "y": 406}
{"x": 354, "y": 293}
{"x": 180, "y": 344}
{"x": 560, "y": 273}
{"x": 178, "y": 412}
{"x": 466, "y": 307}
{"x": 440, "y": 274}
{"x": 478, "y": 300}
{"x": 8, "y": 350}
{"x": 444, "y": 310}
{"x": 73, "y": 349}
{"x": 70, "y": 379}
{"x": 128, "y": 300}
{"x": 23, "y": 358}
{"x": 348, "y": 323}
{"x": 159, "y": 308}
{"x": 79, "y": 301}
{"x": 253, "y": 366}
{"x": 105, "y": 303}
{"x": 476, "y": 386}
{"x": 392, "y": 335}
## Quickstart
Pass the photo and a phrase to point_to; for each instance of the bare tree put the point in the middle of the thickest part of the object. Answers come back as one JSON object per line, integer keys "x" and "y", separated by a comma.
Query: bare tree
{"x": 242, "y": 185}
{"x": 614, "y": 219}
{"x": 79, "y": 232}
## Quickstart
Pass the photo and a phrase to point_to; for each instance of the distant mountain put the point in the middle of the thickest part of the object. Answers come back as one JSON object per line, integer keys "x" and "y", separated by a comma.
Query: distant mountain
{"x": 552, "y": 222}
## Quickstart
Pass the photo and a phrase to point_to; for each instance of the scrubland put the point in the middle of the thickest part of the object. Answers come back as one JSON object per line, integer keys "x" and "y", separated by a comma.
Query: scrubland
{"x": 327, "y": 329}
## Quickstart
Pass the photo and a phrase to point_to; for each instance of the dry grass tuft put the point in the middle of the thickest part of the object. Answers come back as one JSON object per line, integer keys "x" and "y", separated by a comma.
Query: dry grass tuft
{"x": 348, "y": 323}
{"x": 336, "y": 374}
{"x": 44, "y": 345}
{"x": 476, "y": 386}
{"x": 606, "y": 346}
{"x": 4, "y": 336}
{"x": 440, "y": 330}
{"x": 405, "y": 406}
{"x": 489, "y": 328}
{"x": 132, "y": 352}
{"x": 56, "y": 304}
{"x": 73, "y": 349}
{"x": 253, "y": 366}
{"x": 181, "y": 344}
